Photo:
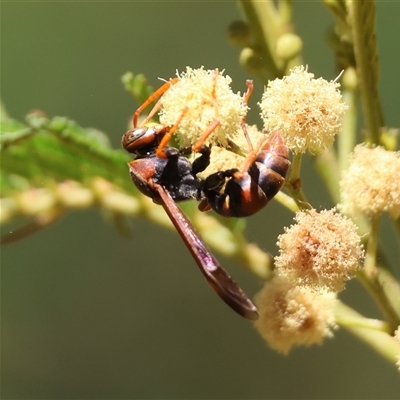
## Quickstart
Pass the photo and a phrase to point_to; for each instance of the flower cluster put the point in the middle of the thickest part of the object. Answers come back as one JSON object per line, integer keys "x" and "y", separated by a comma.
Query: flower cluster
{"x": 206, "y": 98}
{"x": 322, "y": 250}
{"x": 307, "y": 111}
{"x": 317, "y": 255}
{"x": 45, "y": 202}
{"x": 291, "y": 315}
{"x": 371, "y": 184}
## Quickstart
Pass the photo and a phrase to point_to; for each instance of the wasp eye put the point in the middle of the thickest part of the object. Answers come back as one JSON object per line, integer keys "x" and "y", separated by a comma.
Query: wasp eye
{"x": 138, "y": 138}
{"x": 129, "y": 140}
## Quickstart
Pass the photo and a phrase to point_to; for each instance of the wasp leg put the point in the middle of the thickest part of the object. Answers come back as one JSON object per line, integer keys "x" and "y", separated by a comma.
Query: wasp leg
{"x": 159, "y": 92}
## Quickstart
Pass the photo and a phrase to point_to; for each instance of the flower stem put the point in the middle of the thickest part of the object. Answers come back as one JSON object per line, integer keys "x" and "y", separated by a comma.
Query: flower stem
{"x": 385, "y": 300}
{"x": 362, "y": 20}
{"x": 327, "y": 167}
{"x": 349, "y": 319}
{"x": 371, "y": 332}
{"x": 372, "y": 247}
{"x": 286, "y": 201}
{"x": 263, "y": 19}
{"x": 347, "y": 138}
{"x": 294, "y": 183}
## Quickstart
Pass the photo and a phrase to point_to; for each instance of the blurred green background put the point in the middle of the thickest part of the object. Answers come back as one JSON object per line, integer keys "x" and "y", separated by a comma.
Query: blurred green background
{"x": 89, "y": 314}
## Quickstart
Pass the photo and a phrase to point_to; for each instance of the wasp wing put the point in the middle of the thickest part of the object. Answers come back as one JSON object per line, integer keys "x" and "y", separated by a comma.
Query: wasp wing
{"x": 216, "y": 276}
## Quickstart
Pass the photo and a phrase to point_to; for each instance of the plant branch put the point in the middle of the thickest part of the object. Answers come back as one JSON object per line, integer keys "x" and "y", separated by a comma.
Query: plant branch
{"x": 372, "y": 332}
{"x": 362, "y": 17}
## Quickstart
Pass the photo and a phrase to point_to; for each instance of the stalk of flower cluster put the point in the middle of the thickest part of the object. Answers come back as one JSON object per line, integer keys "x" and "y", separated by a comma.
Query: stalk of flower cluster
{"x": 373, "y": 332}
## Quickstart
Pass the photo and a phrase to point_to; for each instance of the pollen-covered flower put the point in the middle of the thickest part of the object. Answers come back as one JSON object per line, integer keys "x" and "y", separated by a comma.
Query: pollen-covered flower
{"x": 223, "y": 159}
{"x": 203, "y": 97}
{"x": 321, "y": 251}
{"x": 307, "y": 111}
{"x": 291, "y": 315}
{"x": 371, "y": 184}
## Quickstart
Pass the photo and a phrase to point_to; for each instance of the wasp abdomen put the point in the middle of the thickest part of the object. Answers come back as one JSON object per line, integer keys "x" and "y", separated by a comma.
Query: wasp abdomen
{"x": 247, "y": 193}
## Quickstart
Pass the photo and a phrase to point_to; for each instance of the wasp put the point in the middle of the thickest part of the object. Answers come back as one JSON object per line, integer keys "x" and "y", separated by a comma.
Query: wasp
{"x": 173, "y": 179}
{"x": 164, "y": 174}
{"x": 232, "y": 192}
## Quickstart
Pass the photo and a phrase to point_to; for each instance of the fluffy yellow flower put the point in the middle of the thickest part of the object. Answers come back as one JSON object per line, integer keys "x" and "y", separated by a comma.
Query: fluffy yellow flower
{"x": 205, "y": 97}
{"x": 371, "y": 184}
{"x": 307, "y": 111}
{"x": 291, "y": 315}
{"x": 321, "y": 251}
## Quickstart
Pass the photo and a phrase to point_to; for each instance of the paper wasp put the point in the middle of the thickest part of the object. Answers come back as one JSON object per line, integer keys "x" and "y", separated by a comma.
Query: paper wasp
{"x": 172, "y": 179}
{"x": 167, "y": 176}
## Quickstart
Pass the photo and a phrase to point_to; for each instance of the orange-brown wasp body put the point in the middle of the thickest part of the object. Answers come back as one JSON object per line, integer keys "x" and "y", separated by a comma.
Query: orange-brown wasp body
{"x": 164, "y": 174}
{"x": 172, "y": 179}
{"x": 232, "y": 193}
